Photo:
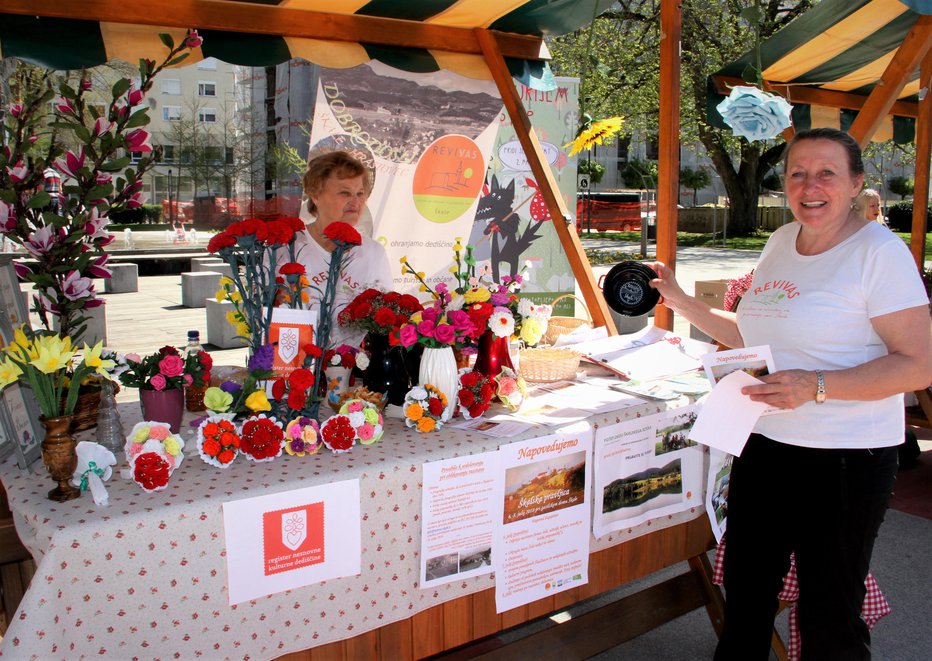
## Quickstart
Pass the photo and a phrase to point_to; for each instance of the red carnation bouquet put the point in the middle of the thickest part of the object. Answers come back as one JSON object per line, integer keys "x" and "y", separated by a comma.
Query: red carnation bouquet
{"x": 475, "y": 394}
{"x": 262, "y": 438}
{"x": 379, "y": 312}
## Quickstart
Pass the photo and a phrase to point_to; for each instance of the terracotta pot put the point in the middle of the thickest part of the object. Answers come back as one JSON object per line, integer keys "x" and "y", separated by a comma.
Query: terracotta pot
{"x": 59, "y": 457}
{"x": 163, "y": 406}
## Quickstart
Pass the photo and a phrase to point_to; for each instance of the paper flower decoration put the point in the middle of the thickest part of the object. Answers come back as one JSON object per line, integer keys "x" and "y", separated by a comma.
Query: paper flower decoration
{"x": 754, "y": 114}
{"x": 153, "y": 453}
{"x": 510, "y": 389}
{"x": 366, "y": 420}
{"x": 424, "y": 406}
{"x": 338, "y": 433}
{"x": 594, "y": 133}
{"x": 302, "y": 437}
{"x": 261, "y": 438}
{"x": 94, "y": 468}
{"x": 475, "y": 394}
{"x": 218, "y": 441}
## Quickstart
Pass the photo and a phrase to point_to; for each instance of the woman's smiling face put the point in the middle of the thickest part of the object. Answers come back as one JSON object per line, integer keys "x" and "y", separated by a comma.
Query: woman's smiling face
{"x": 819, "y": 184}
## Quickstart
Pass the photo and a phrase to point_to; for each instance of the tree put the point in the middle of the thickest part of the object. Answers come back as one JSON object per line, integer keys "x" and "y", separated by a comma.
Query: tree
{"x": 594, "y": 169}
{"x": 695, "y": 179}
{"x": 640, "y": 174}
{"x": 622, "y": 78}
{"x": 901, "y": 186}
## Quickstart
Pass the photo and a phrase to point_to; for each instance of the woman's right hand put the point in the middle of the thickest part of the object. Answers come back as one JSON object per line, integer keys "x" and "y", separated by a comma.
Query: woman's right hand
{"x": 673, "y": 295}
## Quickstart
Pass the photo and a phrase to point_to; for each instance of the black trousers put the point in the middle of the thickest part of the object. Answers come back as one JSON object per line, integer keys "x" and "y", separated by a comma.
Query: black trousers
{"x": 827, "y": 506}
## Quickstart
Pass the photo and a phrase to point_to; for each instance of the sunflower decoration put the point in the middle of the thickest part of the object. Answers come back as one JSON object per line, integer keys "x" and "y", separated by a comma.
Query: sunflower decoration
{"x": 594, "y": 132}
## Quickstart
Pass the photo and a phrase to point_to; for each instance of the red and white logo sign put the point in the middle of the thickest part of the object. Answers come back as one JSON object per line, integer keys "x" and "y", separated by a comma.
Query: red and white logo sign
{"x": 293, "y": 538}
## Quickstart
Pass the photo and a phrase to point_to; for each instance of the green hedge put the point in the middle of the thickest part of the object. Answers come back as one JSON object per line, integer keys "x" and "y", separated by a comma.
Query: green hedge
{"x": 900, "y": 216}
{"x": 147, "y": 213}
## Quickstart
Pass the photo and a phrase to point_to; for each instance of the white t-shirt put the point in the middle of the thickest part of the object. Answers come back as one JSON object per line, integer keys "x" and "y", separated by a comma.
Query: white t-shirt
{"x": 814, "y": 312}
{"x": 364, "y": 266}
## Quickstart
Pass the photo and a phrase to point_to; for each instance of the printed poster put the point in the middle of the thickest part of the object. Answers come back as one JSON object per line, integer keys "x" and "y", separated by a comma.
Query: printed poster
{"x": 646, "y": 468}
{"x": 456, "y": 518}
{"x": 290, "y": 332}
{"x": 288, "y": 540}
{"x": 446, "y": 164}
{"x": 541, "y": 541}
{"x": 716, "y": 502}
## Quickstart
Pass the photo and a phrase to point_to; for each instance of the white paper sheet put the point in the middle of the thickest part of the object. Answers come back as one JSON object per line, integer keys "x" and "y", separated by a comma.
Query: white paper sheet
{"x": 287, "y": 540}
{"x": 456, "y": 518}
{"x": 716, "y": 500}
{"x": 727, "y": 417}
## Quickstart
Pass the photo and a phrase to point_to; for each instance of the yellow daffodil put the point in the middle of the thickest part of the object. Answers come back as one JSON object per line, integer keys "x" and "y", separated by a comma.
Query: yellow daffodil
{"x": 257, "y": 401}
{"x": 9, "y": 372}
{"x": 221, "y": 294}
{"x": 93, "y": 359}
{"x": 53, "y": 356}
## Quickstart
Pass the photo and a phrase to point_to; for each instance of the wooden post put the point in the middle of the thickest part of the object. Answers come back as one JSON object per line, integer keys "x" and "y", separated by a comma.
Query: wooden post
{"x": 598, "y": 308}
{"x": 923, "y": 145}
{"x": 668, "y": 179}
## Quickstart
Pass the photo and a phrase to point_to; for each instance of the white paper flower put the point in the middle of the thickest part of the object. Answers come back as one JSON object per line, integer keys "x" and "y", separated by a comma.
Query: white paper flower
{"x": 754, "y": 114}
{"x": 362, "y": 360}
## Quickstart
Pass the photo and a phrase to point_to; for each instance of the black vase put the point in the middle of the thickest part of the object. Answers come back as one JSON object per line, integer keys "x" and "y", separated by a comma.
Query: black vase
{"x": 388, "y": 370}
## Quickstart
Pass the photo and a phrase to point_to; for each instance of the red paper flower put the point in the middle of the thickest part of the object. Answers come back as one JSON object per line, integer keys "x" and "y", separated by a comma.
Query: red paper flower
{"x": 434, "y": 406}
{"x": 385, "y": 317}
{"x": 150, "y": 471}
{"x": 475, "y": 394}
{"x": 297, "y": 399}
{"x": 343, "y": 233}
{"x": 278, "y": 389}
{"x": 220, "y": 241}
{"x": 301, "y": 379}
{"x": 261, "y": 439}
{"x": 338, "y": 433}
{"x": 292, "y": 268}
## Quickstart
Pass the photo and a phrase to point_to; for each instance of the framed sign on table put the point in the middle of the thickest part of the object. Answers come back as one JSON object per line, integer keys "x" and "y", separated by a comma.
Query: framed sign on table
{"x": 20, "y": 430}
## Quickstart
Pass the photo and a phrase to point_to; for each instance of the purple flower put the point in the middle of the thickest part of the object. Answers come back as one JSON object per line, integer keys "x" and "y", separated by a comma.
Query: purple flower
{"x": 75, "y": 287}
{"x": 498, "y": 299}
{"x": 230, "y": 387}
{"x": 445, "y": 334}
{"x": 262, "y": 359}
{"x": 158, "y": 382}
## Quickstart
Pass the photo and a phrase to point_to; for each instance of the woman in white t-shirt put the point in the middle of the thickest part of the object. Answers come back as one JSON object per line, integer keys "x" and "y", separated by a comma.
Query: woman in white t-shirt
{"x": 840, "y": 302}
{"x": 337, "y": 187}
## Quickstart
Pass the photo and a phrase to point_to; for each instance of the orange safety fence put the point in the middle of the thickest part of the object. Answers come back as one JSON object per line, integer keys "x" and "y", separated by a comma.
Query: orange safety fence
{"x": 608, "y": 216}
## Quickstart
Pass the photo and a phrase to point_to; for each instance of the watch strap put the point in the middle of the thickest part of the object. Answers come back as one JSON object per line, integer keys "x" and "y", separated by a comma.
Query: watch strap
{"x": 820, "y": 390}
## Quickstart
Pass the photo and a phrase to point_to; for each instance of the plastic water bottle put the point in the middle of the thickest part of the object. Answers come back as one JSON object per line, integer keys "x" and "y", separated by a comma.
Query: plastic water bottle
{"x": 194, "y": 342}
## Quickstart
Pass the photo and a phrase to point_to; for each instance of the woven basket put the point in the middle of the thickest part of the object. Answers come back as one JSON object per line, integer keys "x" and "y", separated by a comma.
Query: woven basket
{"x": 558, "y": 326}
{"x": 547, "y": 364}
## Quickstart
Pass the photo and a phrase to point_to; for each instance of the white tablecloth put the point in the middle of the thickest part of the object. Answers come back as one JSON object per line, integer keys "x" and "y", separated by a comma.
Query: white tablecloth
{"x": 146, "y": 576}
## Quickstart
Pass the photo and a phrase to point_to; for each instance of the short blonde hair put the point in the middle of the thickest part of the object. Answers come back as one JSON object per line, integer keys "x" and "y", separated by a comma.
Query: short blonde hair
{"x": 860, "y": 202}
{"x": 338, "y": 164}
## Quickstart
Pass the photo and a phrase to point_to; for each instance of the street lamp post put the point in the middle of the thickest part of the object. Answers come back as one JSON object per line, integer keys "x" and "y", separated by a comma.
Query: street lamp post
{"x": 171, "y": 207}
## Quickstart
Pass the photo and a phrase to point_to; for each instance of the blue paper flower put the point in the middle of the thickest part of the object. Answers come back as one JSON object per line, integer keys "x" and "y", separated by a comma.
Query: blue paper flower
{"x": 754, "y": 114}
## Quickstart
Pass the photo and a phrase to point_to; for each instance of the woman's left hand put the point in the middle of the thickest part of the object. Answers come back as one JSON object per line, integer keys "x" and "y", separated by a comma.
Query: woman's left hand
{"x": 786, "y": 390}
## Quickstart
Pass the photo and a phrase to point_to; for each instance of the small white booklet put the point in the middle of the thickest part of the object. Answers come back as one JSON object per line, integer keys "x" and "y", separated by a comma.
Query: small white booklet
{"x": 754, "y": 361}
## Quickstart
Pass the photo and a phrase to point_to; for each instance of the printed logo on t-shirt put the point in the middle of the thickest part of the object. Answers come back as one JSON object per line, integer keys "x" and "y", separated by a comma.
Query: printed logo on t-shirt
{"x": 775, "y": 291}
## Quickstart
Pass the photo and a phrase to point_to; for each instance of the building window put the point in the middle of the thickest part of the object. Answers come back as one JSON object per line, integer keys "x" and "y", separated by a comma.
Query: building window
{"x": 168, "y": 153}
{"x": 206, "y": 88}
{"x": 171, "y": 86}
{"x": 171, "y": 113}
{"x": 208, "y": 64}
{"x": 653, "y": 148}
{"x": 207, "y": 115}
{"x": 213, "y": 155}
{"x": 623, "y": 145}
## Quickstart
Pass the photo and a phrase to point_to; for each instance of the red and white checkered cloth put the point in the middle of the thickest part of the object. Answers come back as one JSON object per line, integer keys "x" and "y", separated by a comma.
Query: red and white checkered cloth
{"x": 875, "y": 605}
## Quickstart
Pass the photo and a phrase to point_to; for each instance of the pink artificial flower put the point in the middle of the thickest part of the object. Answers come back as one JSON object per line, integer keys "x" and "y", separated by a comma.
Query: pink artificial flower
{"x": 41, "y": 241}
{"x": 134, "y": 357}
{"x": 158, "y": 382}
{"x": 98, "y": 268}
{"x": 101, "y": 126}
{"x": 134, "y": 96}
{"x": 158, "y": 432}
{"x": 75, "y": 287}
{"x": 171, "y": 366}
{"x": 71, "y": 163}
{"x": 444, "y": 334}
{"x": 426, "y": 328}
{"x": 188, "y": 380}
{"x": 193, "y": 40}
{"x": 461, "y": 322}
{"x": 507, "y": 386}
{"x": 431, "y": 314}
{"x": 18, "y": 173}
{"x": 16, "y": 109}
{"x": 407, "y": 335}
{"x": 138, "y": 140}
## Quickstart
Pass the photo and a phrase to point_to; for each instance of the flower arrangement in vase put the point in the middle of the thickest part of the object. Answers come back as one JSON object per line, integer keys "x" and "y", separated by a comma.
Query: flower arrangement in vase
{"x": 161, "y": 379}
{"x": 65, "y": 231}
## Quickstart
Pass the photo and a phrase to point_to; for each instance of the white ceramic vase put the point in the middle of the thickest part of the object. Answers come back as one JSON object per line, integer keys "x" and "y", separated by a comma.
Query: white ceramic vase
{"x": 438, "y": 368}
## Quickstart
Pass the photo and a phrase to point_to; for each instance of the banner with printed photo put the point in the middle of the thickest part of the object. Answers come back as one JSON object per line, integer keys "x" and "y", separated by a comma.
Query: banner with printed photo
{"x": 646, "y": 468}
{"x": 446, "y": 164}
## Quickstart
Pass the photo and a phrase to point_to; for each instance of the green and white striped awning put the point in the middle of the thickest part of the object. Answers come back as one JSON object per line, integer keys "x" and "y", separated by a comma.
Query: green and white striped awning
{"x": 829, "y": 60}
{"x": 412, "y": 35}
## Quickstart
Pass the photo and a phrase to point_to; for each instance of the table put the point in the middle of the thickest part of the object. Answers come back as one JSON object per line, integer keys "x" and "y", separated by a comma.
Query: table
{"x": 147, "y": 576}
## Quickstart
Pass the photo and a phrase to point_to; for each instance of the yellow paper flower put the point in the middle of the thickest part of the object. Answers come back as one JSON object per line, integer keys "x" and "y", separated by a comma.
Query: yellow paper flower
{"x": 52, "y": 355}
{"x": 597, "y": 132}
{"x": 531, "y": 331}
{"x": 141, "y": 435}
{"x": 172, "y": 446}
{"x": 477, "y": 295}
{"x": 92, "y": 359}
{"x": 9, "y": 372}
{"x": 257, "y": 401}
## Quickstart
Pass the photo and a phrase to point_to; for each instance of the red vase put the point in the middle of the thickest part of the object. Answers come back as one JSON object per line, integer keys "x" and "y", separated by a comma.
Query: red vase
{"x": 492, "y": 354}
{"x": 163, "y": 406}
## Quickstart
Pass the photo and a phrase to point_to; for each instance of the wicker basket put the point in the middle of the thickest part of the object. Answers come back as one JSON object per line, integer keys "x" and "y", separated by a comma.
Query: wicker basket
{"x": 558, "y": 326}
{"x": 547, "y": 364}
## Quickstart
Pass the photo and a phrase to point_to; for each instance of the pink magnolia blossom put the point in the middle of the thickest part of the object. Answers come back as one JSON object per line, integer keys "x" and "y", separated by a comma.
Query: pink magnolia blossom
{"x": 103, "y": 177}
{"x": 18, "y": 173}
{"x": 76, "y": 287}
{"x": 137, "y": 200}
{"x": 16, "y": 109}
{"x": 96, "y": 225}
{"x": 7, "y": 218}
{"x": 71, "y": 163}
{"x": 93, "y": 302}
{"x": 138, "y": 140}
{"x": 86, "y": 84}
{"x": 101, "y": 126}
{"x": 41, "y": 241}
{"x": 193, "y": 40}
{"x": 134, "y": 96}
{"x": 98, "y": 268}
{"x": 64, "y": 106}
{"x": 22, "y": 270}
{"x": 158, "y": 382}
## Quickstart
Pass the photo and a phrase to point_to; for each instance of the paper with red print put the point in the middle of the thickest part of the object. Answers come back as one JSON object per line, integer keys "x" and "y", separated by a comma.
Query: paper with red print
{"x": 288, "y": 540}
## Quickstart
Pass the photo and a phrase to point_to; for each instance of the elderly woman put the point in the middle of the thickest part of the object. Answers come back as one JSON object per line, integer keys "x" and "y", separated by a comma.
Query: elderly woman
{"x": 840, "y": 302}
{"x": 337, "y": 187}
{"x": 868, "y": 205}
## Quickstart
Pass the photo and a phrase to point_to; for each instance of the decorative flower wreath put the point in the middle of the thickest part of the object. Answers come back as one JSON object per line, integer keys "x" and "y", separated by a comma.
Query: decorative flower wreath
{"x": 261, "y": 438}
{"x": 366, "y": 420}
{"x": 338, "y": 433}
{"x": 511, "y": 389}
{"x": 424, "y": 407}
{"x": 475, "y": 395}
{"x": 153, "y": 453}
{"x": 302, "y": 437}
{"x": 218, "y": 441}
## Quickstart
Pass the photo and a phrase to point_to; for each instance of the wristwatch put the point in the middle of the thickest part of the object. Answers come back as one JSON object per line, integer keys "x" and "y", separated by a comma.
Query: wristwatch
{"x": 820, "y": 391}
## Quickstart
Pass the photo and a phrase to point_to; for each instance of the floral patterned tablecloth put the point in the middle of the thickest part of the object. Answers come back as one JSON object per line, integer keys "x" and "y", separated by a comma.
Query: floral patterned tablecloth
{"x": 146, "y": 576}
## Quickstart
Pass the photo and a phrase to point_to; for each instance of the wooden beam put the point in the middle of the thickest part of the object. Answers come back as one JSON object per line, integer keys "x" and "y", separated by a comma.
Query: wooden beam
{"x": 908, "y": 56}
{"x": 668, "y": 174}
{"x": 815, "y": 96}
{"x": 257, "y": 18}
{"x": 579, "y": 263}
{"x": 917, "y": 241}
